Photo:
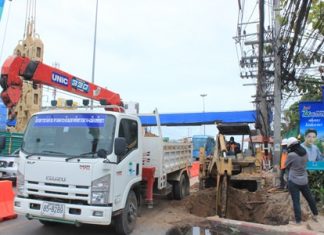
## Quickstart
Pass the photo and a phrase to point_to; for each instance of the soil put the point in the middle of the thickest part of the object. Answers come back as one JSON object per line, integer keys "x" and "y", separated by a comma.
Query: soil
{"x": 265, "y": 207}
{"x": 273, "y": 208}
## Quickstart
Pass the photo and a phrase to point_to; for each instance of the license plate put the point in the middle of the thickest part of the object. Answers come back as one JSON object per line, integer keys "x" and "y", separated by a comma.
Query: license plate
{"x": 52, "y": 209}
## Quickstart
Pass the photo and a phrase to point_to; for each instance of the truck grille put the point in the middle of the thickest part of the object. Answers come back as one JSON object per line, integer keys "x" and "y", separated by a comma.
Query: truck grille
{"x": 58, "y": 192}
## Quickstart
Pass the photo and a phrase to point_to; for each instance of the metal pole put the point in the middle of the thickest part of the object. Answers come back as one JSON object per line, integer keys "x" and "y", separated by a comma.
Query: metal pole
{"x": 94, "y": 50}
{"x": 277, "y": 84}
{"x": 203, "y": 100}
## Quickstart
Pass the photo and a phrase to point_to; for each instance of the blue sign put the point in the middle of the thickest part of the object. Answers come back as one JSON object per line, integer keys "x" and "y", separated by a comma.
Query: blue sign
{"x": 80, "y": 85}
{"x": 315, "y": 166}
{"x": 312, "y": 121}
{"x": 70, "y": 120}
{"x": 312, "y": 117}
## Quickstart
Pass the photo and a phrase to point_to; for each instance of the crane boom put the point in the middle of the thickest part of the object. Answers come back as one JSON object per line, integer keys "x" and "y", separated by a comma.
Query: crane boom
{"x": 16, "y": 68}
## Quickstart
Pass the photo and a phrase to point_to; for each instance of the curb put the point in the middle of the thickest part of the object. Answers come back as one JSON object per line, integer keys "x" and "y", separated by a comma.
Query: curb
{"x": 258, "y": 229}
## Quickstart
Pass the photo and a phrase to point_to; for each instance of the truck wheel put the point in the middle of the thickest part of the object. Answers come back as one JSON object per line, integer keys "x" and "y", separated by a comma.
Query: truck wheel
{"x": 187, "y": 186}
{"x": 126, "y": 221}
{"x": 181, "y": 188}
{"x": 170, "y": 196}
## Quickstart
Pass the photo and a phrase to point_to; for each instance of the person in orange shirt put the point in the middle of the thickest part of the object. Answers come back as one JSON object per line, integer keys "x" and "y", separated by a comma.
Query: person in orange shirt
{"x": 232, "y": 147}
{"x": 283, "y": 158}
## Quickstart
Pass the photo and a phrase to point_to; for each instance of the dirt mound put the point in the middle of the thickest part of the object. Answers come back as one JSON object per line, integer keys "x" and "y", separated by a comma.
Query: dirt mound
{"x": 202, "y": 203}
{"x": 274, "y": 208}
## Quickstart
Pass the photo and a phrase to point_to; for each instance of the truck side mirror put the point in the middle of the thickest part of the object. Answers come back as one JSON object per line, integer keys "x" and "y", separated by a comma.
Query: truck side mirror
{"x": 120, "y": 146}
{"x": 2, "y": 142}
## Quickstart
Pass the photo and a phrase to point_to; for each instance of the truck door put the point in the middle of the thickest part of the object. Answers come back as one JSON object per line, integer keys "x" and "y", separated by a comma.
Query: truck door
{"x": 128, "y": 169}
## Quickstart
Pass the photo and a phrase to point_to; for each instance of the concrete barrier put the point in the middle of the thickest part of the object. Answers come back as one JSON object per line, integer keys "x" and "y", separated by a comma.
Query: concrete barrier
{"x": 6, "y": 201}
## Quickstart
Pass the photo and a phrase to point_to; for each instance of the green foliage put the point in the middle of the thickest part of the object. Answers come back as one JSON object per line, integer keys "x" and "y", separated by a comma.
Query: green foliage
{"x": 316, "y": 16}
{"x": 283, "y": 20}
{"x": 310, "y": 88}
{"x": 268, "y": 49}
{"x": 291, "y": 117}
{"x": 316, "y": 184}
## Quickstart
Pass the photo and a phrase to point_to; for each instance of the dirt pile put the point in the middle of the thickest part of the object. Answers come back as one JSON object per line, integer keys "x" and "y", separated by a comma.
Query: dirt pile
{"x": 202, "y": 203}
{"x": 273, "y": 208}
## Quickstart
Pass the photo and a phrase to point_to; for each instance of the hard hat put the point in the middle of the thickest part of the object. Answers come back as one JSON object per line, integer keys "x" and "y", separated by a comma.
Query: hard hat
{"x": 284, "y": 141}
{"x": 292, "y": 141}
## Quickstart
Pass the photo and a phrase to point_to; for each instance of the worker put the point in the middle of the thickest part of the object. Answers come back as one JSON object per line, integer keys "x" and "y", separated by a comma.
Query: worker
{"x": 298, "y": 178}
{"x": 232, "y": 147}
{"x": 313, "y": 152}
{"x": 283, "y": 158}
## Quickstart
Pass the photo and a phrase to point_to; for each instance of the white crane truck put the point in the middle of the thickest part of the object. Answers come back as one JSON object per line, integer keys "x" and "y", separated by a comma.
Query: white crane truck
{"x": 87, "y": 166}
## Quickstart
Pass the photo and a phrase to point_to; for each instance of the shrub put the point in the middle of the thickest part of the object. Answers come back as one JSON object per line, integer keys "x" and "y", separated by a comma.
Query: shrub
{"x": 316, "y": 184}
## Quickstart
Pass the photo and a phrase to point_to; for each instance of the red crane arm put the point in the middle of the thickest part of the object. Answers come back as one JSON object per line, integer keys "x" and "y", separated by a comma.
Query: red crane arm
{"x": 16, "y": 68}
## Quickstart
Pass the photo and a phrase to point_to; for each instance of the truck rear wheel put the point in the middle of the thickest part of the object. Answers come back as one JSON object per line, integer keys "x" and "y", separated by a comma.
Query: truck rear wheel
{"x": 126, "y": 221}
{"x": 182, "y": 187}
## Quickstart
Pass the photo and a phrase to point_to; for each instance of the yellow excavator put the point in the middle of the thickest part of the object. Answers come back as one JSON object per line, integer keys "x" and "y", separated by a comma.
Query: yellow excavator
{"x": 238, "y": 169}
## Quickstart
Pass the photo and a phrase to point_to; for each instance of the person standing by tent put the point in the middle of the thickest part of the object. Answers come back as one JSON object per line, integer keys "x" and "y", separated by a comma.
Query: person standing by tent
{"x": 298, "y": 178}
{"x": 283, "y": 158}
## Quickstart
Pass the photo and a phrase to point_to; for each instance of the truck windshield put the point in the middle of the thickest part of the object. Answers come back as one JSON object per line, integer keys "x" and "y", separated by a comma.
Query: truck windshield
{"x": 69, "y": 134}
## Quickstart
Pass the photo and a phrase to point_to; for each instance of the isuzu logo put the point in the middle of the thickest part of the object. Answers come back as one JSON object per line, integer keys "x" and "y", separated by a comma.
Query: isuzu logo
{"x": 55, "y": 178}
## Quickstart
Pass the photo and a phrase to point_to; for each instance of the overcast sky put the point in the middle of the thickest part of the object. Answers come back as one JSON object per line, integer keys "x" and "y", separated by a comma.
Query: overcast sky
{"x": 162, "y": 54}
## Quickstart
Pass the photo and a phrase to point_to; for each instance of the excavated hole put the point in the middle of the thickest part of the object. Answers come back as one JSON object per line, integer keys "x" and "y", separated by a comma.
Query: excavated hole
{"x": 273, "y": 208}
{"x": 250, "y": 185}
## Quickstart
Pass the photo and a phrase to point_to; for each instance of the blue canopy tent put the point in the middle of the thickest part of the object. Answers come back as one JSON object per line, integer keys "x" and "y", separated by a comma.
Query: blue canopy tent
{"x": 193, "y": 119}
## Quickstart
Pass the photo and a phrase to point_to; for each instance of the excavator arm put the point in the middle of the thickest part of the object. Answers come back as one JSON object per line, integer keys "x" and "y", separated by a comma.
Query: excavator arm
{"x": 16, "y": 69}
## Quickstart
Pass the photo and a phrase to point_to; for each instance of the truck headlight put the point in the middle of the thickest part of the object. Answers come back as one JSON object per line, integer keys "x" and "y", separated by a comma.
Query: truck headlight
{"x": 20, "y": 183}
{"x": 100, "y": 190}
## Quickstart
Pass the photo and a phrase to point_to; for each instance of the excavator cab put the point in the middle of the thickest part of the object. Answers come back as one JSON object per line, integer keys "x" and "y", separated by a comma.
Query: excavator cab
{"x": 242, "y": 159}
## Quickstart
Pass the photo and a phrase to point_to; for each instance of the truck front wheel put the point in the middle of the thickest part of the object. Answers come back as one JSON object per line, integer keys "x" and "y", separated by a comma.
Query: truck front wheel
{"x": 126, "y": 221}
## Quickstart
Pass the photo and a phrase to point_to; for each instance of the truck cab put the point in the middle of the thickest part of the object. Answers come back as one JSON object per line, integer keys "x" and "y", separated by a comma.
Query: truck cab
{"x": 69, "y": 161}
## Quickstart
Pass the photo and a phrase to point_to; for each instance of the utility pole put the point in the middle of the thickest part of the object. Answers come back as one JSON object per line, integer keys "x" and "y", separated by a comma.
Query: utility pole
{"x": 262, "y": 105}
{"x": 203, "y": 100}
{"x": 277, "y": 83}
{"x": 94, "y": 50}
{"x": 263, "y": 109}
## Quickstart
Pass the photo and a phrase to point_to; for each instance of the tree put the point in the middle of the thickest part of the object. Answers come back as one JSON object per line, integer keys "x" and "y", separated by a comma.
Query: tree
{"x": 302, "y": 37}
